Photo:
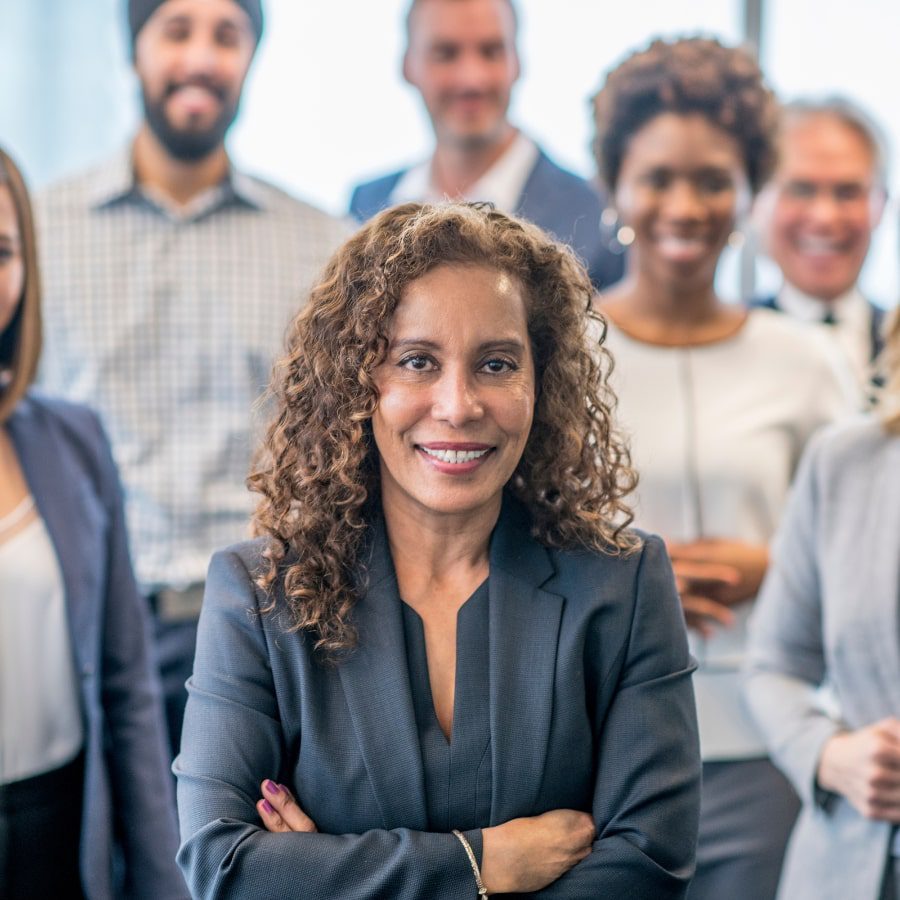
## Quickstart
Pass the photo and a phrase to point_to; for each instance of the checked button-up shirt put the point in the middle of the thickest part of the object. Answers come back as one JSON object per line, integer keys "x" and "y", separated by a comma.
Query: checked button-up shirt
{"x": 167, "y": 321}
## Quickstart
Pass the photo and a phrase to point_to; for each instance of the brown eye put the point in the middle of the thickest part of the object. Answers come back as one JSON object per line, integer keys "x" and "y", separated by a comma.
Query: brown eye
{"x": 498, "y": 366}
{"x": 714, "y": 182}
{"x": 658, "y": 179}
{"x": 801, "y": 190}
{"x": 177, "y": 31}
{"x": 847, "y": 193}
{"x": 417, "y": 363}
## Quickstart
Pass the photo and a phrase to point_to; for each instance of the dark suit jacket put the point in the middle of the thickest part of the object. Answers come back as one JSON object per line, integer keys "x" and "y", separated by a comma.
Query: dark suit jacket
{"x": 875, "y": 323}
{"x": 127, "y": 790}
{"x": 591, "y": 707}
{"x": 558, "y": 201}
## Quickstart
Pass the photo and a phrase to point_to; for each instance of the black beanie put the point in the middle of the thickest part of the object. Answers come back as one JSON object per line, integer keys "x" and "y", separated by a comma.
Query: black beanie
{"x": 141, "y": 10}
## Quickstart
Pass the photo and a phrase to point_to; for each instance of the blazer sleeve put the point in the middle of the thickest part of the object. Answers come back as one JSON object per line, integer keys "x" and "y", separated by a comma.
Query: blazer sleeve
{"x": 786, "y": 658}
{"x": 232, "y": 738}
{"x": 136, "y": 755}
{"x": 647, "y": 792}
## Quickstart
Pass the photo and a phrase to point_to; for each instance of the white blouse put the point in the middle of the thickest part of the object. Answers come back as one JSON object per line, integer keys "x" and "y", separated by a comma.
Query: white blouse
{"x": 40, "y": 713}
{"x": 716, "y": 432}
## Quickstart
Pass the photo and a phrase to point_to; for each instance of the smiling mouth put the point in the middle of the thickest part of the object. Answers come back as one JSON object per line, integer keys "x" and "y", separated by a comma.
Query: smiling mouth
{"x": 680, "y": 248}
{"x": 820, "y": 247}
{"x": 196, "y": 89}
{"x": 454, "y": 457}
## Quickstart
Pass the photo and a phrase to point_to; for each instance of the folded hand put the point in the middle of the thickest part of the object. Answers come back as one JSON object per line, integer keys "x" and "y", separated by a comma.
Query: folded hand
{"x": 280, "y": 812}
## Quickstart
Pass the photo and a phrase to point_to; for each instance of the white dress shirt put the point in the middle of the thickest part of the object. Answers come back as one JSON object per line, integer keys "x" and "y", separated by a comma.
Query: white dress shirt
{"x": 501, "y": 185}
{"x": 851, "y": 333}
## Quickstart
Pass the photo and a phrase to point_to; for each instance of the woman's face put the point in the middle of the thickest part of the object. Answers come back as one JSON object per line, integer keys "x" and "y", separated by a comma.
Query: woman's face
{"x": 681, "y": 185}
{"x": 12, "y": 268}
{"x": 457, "y": 393}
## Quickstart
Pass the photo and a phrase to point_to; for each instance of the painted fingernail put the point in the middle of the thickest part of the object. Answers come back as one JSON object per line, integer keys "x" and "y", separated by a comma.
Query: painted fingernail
{"x": 268, "y": 807}
{"x": 272, "y": 788}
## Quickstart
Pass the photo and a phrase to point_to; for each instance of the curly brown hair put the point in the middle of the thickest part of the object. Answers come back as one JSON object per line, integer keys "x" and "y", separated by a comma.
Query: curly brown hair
{"x": 319, "y": 475}
{"x": 691, "y": 75}
{"x": 889, "y": 364}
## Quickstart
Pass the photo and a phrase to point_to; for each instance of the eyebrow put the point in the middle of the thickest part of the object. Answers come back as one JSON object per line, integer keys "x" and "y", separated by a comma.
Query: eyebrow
{"x": 510, "y": 345}
{"x": 186, "y": 19}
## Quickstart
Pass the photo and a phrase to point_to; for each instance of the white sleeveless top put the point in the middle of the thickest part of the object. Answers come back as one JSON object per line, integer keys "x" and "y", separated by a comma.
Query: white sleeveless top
{"x": 40, "y": 713}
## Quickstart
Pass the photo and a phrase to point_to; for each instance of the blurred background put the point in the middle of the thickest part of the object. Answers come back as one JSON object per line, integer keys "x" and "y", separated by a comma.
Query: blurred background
{"x": 325, "y": 105}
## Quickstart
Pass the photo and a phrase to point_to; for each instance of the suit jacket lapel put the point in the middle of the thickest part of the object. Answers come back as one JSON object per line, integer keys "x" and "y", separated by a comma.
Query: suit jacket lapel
{"x": 43, "y": 459}
{"x": 523, "y": 633}
{"x": 536, "y": 200}
{"x": 375, "y": 680}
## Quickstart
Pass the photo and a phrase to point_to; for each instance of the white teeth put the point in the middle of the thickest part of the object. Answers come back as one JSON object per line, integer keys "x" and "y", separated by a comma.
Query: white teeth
{"x": 679, "y": 243}
{"x": 682, "y": 248}
{"x": 681, "y": 239}
{"x": 813, "y": 245}
{"x": 455, "y": 456}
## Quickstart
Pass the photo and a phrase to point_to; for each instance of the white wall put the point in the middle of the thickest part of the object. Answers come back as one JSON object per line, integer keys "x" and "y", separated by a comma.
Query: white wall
{"x": 325, "y": 105}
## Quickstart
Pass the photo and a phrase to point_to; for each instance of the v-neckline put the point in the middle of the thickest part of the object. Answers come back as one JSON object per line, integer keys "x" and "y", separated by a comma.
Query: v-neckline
{"x": 420, "y": 627}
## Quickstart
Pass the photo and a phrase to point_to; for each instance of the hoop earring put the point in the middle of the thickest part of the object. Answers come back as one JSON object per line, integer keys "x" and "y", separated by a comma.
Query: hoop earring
{"x": 737, "y": 239}
{"x": 616, "y": 237}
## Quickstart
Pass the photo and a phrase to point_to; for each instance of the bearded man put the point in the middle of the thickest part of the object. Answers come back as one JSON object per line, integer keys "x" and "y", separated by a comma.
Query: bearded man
{"x": 169, "y": 279}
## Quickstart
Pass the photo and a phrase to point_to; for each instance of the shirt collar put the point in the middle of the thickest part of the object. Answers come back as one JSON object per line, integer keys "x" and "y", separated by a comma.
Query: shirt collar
{"x": 116, "y": 182}
{"x": 811, "y": 309}
{"x": 501, "y": 185}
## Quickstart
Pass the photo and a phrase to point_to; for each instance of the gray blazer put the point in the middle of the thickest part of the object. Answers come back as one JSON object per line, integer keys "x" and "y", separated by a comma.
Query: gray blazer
{"x": 128, "y": 806}
{"x": 591, "y": 707}
{"x": 829, "y": 611}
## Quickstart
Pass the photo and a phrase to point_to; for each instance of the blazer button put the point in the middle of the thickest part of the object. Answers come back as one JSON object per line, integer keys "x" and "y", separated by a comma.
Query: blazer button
{"x": 87, "y": 670}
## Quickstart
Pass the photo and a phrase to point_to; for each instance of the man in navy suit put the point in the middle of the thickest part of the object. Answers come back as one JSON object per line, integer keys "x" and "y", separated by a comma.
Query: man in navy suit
{"x": 818, "y": 214}
{"x": 461, "y": 56}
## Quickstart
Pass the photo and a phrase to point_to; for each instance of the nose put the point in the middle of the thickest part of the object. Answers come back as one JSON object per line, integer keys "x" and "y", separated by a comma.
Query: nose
{"x": 824, "y": 208}
{"x": 472, "y": 71}
{"x": 456, "y": 399}
{"x": 199, "y": 55}
{"x": 683, "y": 201}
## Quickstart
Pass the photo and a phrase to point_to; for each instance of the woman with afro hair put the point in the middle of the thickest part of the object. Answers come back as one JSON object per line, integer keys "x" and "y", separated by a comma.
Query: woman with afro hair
{"x": 718, "y": 403}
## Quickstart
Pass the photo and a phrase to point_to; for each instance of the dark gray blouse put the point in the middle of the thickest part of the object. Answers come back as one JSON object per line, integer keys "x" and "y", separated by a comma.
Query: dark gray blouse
{"x": 457, "y": 772}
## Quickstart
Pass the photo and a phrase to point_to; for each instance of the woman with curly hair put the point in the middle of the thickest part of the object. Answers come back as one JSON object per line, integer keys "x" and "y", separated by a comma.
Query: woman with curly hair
{"x": 455, "y": 669}
{"x": 718, "y": 403}
{"x": 827, "y": 613}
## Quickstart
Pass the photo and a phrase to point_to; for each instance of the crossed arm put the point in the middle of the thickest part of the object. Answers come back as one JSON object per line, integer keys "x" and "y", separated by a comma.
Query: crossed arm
{"x": 644, "y": 810}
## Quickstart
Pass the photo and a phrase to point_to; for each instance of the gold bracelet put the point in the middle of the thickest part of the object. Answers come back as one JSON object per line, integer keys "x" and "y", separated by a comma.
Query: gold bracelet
{"x": 482, "y": 890}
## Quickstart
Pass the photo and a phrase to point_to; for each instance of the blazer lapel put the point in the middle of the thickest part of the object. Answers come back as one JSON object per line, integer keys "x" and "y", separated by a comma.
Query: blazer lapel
{"x": 536, "y": 201}
{"x": 375, "y": 680}
{"x": 43, "y": 459}
{"x": 523, "y": 633}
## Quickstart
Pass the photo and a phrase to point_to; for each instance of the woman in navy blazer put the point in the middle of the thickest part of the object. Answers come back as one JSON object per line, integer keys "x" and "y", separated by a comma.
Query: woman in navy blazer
{"x": 446, "y": 665}
{"x": 60, "y": 504}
